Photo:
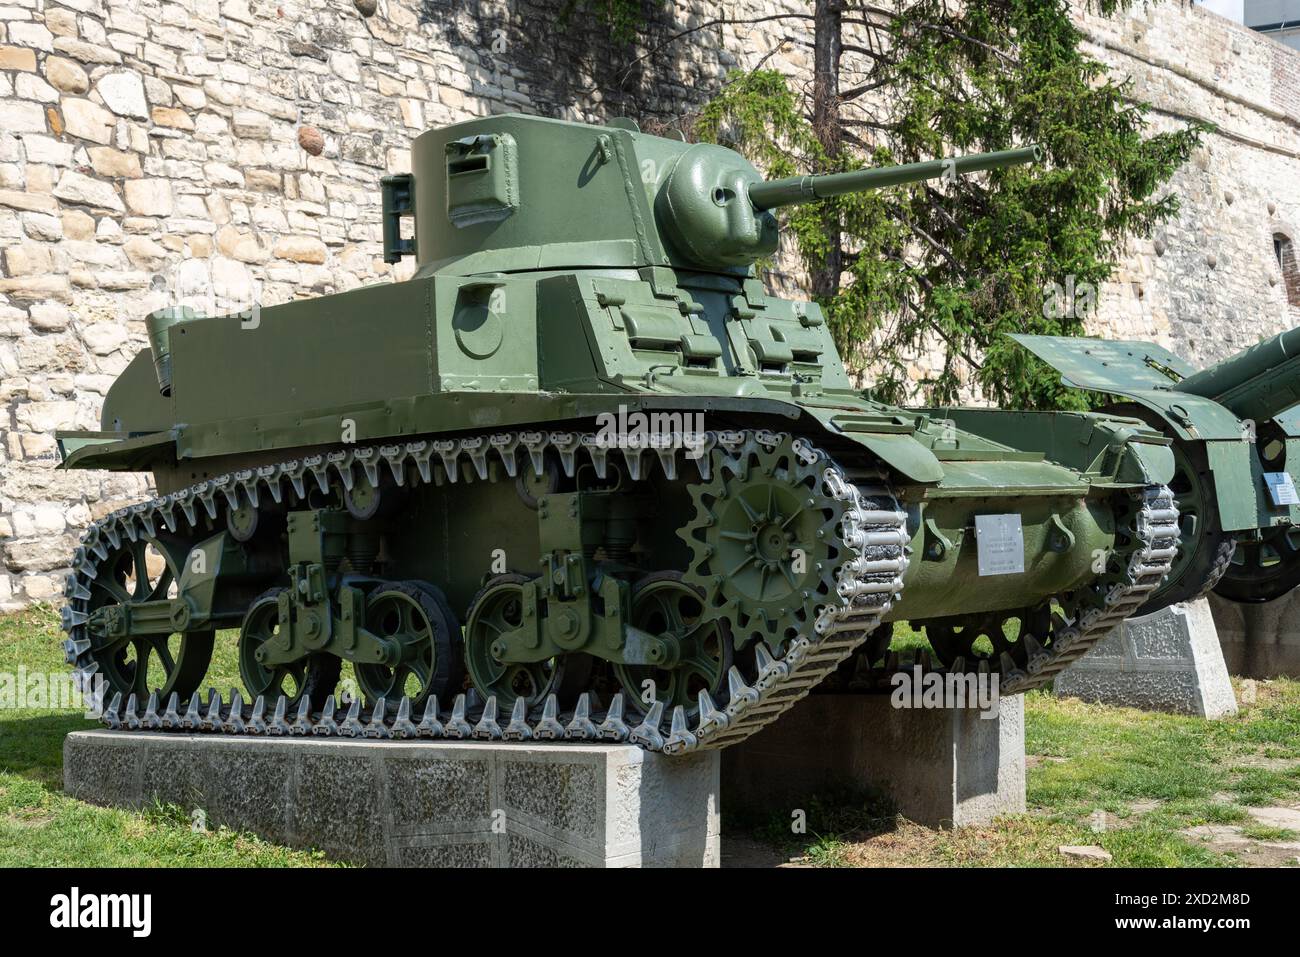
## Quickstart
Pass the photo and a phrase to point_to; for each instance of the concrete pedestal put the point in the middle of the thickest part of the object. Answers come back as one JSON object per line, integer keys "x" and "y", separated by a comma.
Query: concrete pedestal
{"x": 1168, "y": 661}
{"x": 1260, "y": 641}
{"x": 416, "y": 804}
{"x": 942, "y": 767}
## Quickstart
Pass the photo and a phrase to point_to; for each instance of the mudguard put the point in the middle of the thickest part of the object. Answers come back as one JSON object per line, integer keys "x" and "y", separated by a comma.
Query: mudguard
{"x": 1141, "y": 371}
{"x": 1289, "y": 422}
{"x": 1108, "y": 450}
{"x": 886, "y": 436}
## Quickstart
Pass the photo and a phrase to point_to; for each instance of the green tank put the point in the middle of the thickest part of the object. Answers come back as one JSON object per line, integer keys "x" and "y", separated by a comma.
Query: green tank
{"x": 580, "y": 477}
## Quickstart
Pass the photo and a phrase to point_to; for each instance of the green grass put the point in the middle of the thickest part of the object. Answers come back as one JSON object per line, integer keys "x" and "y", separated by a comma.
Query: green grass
{"x": 1160, "y": 774}
{"x": 41, "y": 826}
{"x": 1266, "y": 832}
{"x": 909, "y": 642}
{"x": 1117, "y": 756}
{"x": 1154, "y": 775}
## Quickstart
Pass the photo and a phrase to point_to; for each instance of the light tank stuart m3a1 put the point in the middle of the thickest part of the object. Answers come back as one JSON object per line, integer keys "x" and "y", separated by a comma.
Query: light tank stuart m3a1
{"x": 420, "y": 478}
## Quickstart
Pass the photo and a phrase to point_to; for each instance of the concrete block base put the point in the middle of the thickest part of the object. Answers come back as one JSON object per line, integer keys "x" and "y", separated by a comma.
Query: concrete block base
{"x": 1168, "y": 661}
{"x": 942, "y": 767}
{"x": 1260, "y": 641}
{"x": 418, "y": 804}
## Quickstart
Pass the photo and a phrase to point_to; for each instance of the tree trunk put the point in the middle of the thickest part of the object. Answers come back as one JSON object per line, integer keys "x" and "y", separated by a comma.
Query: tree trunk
{"x": 827, "y": 26}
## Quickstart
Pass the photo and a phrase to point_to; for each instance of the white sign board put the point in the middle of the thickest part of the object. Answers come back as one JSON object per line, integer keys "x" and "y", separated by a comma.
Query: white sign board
{"x": 1281, "y": 488}
{"x": 1000, "y": 541}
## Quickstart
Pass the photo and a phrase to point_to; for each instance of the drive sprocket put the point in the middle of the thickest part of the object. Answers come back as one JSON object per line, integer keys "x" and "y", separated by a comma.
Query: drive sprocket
{"x": 766, "y": 553}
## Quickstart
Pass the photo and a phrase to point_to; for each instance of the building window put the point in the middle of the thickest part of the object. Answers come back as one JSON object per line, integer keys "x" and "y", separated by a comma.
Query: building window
{"x": 1284, "y": 249}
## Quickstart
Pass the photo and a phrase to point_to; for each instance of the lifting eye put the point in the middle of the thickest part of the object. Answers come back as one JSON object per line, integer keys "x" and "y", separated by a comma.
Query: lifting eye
{"x": 722, "y": 196}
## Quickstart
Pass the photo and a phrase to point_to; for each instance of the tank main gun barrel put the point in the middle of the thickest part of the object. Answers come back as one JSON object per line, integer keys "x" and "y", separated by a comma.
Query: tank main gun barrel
{"x": 805, "y": 189}
{"x": 1256, "y": 383}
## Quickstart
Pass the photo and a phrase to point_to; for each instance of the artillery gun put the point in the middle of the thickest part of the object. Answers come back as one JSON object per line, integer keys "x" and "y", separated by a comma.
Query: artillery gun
{"x": 1235, "y": 429}
{"x": 580, "y": 477}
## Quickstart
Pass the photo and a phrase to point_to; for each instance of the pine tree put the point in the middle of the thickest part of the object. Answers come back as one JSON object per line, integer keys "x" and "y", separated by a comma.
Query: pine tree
{"x": 959, "y": 263}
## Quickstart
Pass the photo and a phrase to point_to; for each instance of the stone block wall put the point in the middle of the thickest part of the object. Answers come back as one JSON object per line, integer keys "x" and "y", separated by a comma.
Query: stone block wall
{"x": 1209, "y": 283}
{"x": 219, "y": 151}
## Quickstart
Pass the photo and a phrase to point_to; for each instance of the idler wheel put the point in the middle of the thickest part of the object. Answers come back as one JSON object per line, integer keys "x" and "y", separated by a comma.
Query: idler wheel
{"x": 147, "y": 569}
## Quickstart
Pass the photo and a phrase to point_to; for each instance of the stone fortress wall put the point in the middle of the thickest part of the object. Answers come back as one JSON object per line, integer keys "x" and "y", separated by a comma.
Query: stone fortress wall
{"x": 221, "y": 152}
{"x": 1210, "y": 280}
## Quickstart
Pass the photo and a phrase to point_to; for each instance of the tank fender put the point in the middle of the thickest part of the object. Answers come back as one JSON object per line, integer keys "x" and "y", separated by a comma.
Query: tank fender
{"x": 1141, "y": 371}
{"x": 1140, "y": 462}
{"x": 887, "y": 436}
{"x": 902, "y": 453}
{"x": 1289, "y": 422}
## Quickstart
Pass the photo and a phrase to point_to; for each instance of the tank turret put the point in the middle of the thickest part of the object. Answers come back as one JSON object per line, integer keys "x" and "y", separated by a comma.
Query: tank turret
{"x": 500, "y": 194}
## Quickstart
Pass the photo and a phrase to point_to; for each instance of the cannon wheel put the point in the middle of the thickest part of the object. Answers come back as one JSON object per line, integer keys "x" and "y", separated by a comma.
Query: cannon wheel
{"x": 1264, "y": 570}
{"x": 1205, "y": 550}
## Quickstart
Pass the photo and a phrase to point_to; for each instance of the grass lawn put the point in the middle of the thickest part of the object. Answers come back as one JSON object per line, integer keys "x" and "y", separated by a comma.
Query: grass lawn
{"x": 1153, "y": 790}
{"x": 40, "y": 826}
{"x": 1128, "y": 781}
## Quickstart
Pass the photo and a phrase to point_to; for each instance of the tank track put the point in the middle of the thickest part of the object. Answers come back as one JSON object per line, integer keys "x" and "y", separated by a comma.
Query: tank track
{"x": 1222, "y": 562}
{"x": 874, "y": 528}
{"x": 1139, "y": 570}
{"x": 1153, "y": 544}
{"x": 866, "y": 591}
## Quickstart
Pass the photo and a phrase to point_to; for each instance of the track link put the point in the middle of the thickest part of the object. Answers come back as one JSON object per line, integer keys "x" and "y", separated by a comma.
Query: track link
{"x": 1153, "y": 544}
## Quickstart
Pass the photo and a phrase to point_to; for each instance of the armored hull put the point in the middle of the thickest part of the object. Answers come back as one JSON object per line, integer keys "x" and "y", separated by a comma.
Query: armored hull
{"x": 580, "y": 477}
